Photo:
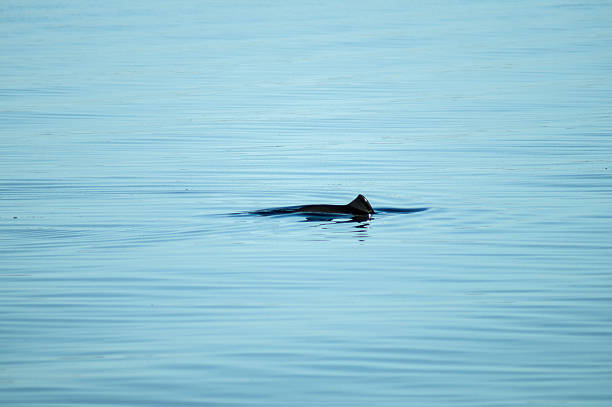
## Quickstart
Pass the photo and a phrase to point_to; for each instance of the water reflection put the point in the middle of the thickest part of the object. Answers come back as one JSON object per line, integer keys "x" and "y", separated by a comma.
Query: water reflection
{"x": 335, "y": 218}
{"x": 359, "y": 225}
{"x": 361, "y": 230}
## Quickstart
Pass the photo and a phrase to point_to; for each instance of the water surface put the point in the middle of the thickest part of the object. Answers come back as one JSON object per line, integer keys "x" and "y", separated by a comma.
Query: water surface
{"x": 130, "y": 132}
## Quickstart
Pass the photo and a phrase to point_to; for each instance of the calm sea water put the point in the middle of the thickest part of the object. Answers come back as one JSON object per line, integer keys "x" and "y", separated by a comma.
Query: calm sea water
{"x": 129, "y": 134}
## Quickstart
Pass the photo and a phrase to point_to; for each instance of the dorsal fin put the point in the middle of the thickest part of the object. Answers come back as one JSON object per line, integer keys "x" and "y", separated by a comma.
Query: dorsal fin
{"x": 361, "y": 204}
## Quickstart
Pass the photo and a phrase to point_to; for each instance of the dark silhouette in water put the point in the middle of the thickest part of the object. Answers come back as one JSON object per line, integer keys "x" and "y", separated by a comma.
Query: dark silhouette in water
{"x": 359, "y": 208}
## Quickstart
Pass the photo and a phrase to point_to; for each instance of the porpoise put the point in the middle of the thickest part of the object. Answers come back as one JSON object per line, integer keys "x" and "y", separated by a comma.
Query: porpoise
{"x": 358, "y": 207}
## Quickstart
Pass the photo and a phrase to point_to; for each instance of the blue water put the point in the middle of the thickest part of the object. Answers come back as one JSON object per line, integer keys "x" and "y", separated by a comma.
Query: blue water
{"x": 130, "y": 134}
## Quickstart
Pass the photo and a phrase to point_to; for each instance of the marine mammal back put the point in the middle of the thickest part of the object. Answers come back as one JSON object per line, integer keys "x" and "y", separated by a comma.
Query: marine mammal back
{"x": 361, "y": 204}
{"x": 358, "y": 206}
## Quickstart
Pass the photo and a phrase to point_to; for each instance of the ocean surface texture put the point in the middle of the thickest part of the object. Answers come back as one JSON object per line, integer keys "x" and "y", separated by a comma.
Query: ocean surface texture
{"x": 135, "y": 137}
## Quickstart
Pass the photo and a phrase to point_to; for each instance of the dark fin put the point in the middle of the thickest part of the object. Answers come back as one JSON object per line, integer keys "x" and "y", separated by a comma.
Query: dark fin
{"x": 361, "y": 204}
